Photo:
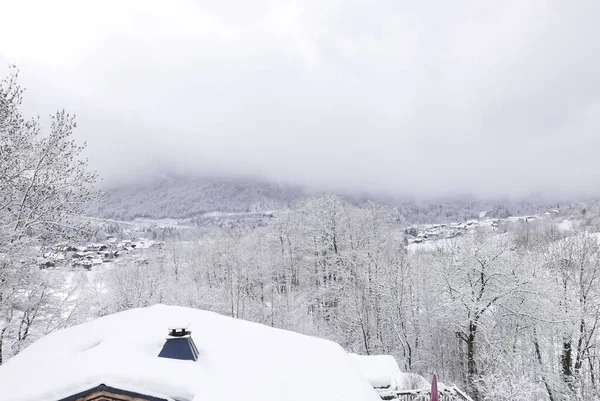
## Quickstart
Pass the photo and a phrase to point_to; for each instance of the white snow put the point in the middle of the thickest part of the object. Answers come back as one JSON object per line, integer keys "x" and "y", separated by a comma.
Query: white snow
{"x": 431, "y": 246}
{"x": 383, "y": 372}
{"x": 145, "y": 244}
{"x": 238, "y": 360}
{"x": 566, "y": 225}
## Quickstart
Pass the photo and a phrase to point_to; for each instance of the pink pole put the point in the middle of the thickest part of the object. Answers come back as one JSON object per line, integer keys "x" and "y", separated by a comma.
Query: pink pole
{"x": 434, "y": 389}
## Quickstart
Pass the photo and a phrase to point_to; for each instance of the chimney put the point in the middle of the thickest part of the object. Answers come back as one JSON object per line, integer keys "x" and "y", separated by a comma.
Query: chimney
{"x": 179, "y": 345}
{"x": 179, "y": 332}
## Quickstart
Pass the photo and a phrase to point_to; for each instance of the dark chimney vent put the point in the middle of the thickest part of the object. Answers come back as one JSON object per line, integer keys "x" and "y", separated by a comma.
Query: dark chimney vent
{"x": 179, "y": 332}
{"x": 179, "y": 345}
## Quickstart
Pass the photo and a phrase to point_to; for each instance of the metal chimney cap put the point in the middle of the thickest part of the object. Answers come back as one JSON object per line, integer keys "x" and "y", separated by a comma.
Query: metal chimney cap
{"x": 179, "y": 331}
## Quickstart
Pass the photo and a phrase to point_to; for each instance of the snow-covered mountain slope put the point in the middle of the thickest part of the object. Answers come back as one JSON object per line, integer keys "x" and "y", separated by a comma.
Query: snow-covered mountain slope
{"x": 189, "y": 197}
{"x": 202, "y": 200}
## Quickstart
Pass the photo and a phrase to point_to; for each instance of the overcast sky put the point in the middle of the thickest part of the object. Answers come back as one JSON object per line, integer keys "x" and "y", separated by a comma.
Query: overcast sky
{"x": 422, "y": 98}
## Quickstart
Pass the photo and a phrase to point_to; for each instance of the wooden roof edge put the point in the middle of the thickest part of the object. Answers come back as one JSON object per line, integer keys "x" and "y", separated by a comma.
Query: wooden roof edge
{"x": 125, "y": 395}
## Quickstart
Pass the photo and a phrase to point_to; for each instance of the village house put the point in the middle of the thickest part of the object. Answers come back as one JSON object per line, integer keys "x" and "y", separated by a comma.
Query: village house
{"x": 95, "y": 254}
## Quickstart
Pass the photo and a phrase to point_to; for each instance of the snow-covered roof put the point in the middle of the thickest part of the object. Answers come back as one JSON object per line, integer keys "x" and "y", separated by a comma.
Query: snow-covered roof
{"x": 383, "y": 372}
{"x": 237, "y": 360}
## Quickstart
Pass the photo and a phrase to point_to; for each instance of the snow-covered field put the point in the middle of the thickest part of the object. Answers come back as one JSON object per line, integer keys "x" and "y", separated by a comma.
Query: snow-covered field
{"x": 140, "y": 223}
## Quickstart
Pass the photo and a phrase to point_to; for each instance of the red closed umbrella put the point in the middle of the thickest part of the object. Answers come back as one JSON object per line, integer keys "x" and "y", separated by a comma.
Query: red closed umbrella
{"x": 434, "y": 390}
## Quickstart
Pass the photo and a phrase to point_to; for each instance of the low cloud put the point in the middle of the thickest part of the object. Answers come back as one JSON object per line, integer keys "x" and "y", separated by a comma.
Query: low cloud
{"x": 424, "y": 99}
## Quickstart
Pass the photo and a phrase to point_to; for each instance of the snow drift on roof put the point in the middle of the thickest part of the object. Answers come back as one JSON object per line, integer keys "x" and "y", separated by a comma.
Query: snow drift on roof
{"x": 383, "y": 372}
{"x": 237, "y": 360}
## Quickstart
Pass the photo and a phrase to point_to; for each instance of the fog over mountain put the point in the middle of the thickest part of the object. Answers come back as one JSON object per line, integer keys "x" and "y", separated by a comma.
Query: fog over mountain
{"x": 422, "y": 99}
{"x": 206, "y": 201}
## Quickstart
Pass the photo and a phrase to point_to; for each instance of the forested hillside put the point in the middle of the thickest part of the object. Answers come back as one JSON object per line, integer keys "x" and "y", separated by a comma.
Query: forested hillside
{"x": 189, "y": 197}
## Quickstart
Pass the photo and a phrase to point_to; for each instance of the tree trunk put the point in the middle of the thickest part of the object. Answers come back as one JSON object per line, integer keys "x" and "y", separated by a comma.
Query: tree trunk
{"x": 567, "y": 366}
{"x": 471, "y": 364}
{"x": 538, "y": 354}
{"x": 592, "y": 375}
{"x": 2, "y": 345}
{"x": 567, "y": 359}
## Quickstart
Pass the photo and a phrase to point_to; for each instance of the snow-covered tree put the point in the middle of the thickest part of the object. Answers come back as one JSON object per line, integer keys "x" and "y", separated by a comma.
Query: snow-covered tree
{"x": 44, "y": 182}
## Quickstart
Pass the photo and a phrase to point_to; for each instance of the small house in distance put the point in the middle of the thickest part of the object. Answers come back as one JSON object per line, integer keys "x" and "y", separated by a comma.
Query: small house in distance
{"x": 384, "y": 374}
{"x": 137, "y": 355}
